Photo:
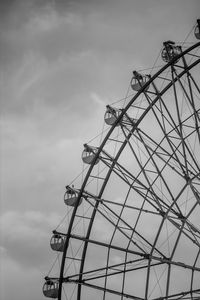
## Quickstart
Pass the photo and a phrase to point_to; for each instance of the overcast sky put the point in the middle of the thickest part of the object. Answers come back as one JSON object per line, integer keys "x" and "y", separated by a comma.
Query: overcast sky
{"x": 61, "y": 62}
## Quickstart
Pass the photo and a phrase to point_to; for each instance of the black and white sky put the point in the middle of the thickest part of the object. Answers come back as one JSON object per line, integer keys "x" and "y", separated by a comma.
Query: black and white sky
{"x": 61, "y": 63}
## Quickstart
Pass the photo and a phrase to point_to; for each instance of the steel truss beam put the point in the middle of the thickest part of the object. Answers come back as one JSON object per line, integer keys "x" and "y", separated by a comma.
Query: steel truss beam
{"x": 144, "y": 255}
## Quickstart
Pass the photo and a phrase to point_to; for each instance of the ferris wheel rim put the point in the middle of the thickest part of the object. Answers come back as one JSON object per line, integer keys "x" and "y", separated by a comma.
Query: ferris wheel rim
{"x": 101, "y": 148}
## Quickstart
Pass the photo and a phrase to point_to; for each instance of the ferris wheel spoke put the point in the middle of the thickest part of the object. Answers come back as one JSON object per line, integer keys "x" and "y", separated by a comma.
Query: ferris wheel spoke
{"x": 192, "y": 229}
{"x": 196, "y": 111}
{"x": 126, "y": 206}
{"x": 104, "y": 202}
{"x": 120, "y": 229}
{"x": 110, "y": 291}
{"x": 195, "y": 192}
{"x": 163, "y": 108}
{"x": 175, "y": 127}
{"x": 162, "y": 152}
{"x": 154, "y": 261}
{"x": 183, "y": 295}
{"x": 152, "y": 196}
{"x": 141, "y": 188}
{"x": 193, "y": 273}
{"x": 111, "y": 246}
{"x": 127, "y": 226}
{"x": 170, "y": 142}
{"x": 158, "y": 151}
{"x": 190, "y": 94}
{"x": 113, "y": 270}
{"x": 195, "y": 84}
{"x": 155, "y": 169}
{"x": 184, "y": 145}
{"x": 190, "y": 233}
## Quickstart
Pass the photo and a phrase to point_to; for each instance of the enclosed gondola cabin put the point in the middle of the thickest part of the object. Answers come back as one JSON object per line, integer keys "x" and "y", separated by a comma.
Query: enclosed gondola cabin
{"x": 50, "y": 289}
{"x": 197, "y": 30}
{"x": 111, "y": 115}
{"x": 89, "y": 154}
{"x": 71, "y": 197}
{"x": 138, "y": 81}
{"x": 170, "y": 51}
{"x": 57, "y": 242}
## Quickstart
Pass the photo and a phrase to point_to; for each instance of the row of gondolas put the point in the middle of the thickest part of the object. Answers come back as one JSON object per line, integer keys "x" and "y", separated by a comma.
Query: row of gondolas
{"x": 169, "y": 52}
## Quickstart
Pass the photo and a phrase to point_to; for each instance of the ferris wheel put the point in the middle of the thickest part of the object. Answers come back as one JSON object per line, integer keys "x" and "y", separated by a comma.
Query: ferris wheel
{"x": 133, "y": 223}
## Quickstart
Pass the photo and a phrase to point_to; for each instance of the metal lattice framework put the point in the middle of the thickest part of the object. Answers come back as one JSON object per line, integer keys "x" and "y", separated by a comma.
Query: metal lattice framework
{"x": 133, "y": 228}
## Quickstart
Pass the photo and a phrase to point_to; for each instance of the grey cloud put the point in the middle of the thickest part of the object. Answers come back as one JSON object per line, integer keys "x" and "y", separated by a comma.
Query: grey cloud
{"x": 25, "y": 237}
{"x": 20, "y": 282}
{"x": 101, "y": 27}
{"x": 55, "y": 56}
{"x": 32, "y": 157}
